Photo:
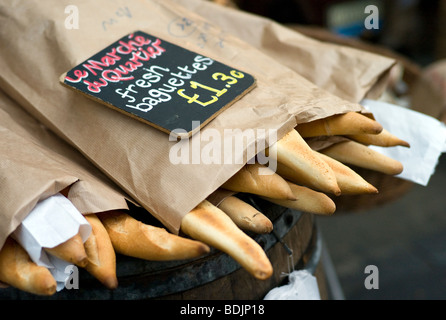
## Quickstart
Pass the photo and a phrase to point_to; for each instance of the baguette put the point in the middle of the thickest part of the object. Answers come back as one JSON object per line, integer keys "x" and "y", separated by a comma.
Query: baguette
{"x": 382, "y": 139}
{"x": 355, "y": 153}
{"x": 340, "y": 125}
{"x": 297, "y": 178}
{"x": 134, "y": 238}
{"x": 349, "y": 181}
{"x": 296, "y": 154}
{"x": 72, "y": 251}
{"x": 211, "y": 225}
{"x": 19, "y": 271}
{"x": 101, "y": 254}
{"x": 245, "y": 216}
{"x": 248, "y": 180}
{"x": 308, "y": 200}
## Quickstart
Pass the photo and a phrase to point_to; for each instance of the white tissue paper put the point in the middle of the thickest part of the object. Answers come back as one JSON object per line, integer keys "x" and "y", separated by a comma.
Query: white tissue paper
{"x": 51, "y": 222}
{"x": 302, "y": 286}
{"x": 425, "y": 134}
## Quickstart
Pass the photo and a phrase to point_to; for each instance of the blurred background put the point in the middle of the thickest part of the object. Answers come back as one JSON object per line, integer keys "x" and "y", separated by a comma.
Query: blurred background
{"x": 403, "y": 235}
{"x": 413, "y": 28}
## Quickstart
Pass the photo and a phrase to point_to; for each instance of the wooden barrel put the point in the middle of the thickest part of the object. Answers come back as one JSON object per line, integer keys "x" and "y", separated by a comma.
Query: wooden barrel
{"x": 295, "y": 243}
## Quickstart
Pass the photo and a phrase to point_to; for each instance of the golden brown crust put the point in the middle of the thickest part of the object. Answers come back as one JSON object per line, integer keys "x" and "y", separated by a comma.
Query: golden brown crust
{"x": 339, "y": 125}
{"x": 18, "y": 270}
{"x": 209, "y": 224}
{"x": 308, "y": 200}
{"x": 133, "y": 238}
{"x": 355, "y": 153}
{"x": 246, "y": 216}
{"x": 249, "y": 180}
{"x": 348, "y": 180}
{"x": 100, "y": 252}
{"x": 72, "y": 251}
{"x": 383, "y": 139}
{"x": 313, "y": 172}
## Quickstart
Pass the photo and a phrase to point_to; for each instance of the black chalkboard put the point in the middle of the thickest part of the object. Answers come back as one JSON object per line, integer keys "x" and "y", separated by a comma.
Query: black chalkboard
{"x": 160, "y": 83}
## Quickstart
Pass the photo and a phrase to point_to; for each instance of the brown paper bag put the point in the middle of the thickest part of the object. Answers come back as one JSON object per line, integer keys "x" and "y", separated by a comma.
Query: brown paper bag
{"x": 349, "y": 73}
{"x": 134, "y": 155}
{"x": 36, "y": 164}
{"x": 322, "y": 63}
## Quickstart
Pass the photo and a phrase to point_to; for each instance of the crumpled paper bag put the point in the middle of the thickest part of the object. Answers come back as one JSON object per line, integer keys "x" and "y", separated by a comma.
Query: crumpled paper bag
{"x": 35, "y": 164}
{"x": 132, "y": 154}
{"x": 349, "y": 73}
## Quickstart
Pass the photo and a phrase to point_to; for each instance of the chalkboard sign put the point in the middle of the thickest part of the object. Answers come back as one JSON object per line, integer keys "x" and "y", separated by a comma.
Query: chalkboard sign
{"x": 160, "y": 83}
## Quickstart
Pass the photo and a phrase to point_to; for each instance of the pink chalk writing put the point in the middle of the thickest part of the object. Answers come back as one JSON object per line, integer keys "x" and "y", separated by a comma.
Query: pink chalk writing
{"x": 116, "y": 64}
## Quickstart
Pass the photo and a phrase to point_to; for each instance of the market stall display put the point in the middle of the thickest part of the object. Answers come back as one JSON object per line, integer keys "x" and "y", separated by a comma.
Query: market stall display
{"x": 106, "y": 162}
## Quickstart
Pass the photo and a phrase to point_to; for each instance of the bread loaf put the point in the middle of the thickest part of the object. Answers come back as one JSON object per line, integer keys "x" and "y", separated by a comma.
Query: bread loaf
{"x": 245, "y": 216}
{"x": 382, "y": 139}
{"x": 296, "y": 154}
{"x": 134, "y": 238}
{"x": 249, "y": 180}
{"x": 19, "y": 271}
{"x": 339, "y": 125}
{"x": 348, "y": 180}
{"x": 308, "y": 200}
{"x": 72, "y": 251}
{"x": 355, "y": 153}
{"x": 101, "y": 254}
{"x": 211, "y": 225}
